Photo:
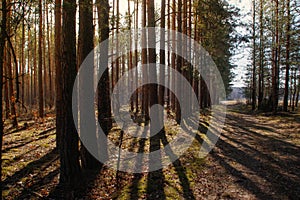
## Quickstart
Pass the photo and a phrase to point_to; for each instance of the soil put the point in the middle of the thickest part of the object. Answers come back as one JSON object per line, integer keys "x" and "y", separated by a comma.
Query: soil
{"x": 256, "y": 157}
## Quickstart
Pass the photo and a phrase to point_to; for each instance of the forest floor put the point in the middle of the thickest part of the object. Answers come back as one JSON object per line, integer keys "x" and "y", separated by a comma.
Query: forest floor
{"x": 256, "y": 157}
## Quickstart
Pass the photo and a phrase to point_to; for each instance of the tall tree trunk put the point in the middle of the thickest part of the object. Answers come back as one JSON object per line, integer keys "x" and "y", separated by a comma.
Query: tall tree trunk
{"x": 50, "y": 100}
{"x": 45, "y": 75}
{"x": 31, "y": 65}
{"x": 104, "y": 106}
{"x": 145, "y": 101}
{"x": 12, "y": 97}
{"x": 197, "y": 75}
{"x": 155, "y": 121}
{"x": 136, "y": 57}
{"x": 117, "y": 66}
{"x": 275, "y": 68}
{"x": 294, "y": 91}
{"x": 130, "y": 59}
{"x": 298, "y": 93}
{"x": 153, "y": 98}
{"x": 112, "y": 48}
{"x": 29, "y": 69}
{"x": 191, "y": 68}
{"x": 2, "y": 47}
{"x": 169, "y": 61}
{"x": 254, "y": 62}
{"x": 185, "y": 67}
{"x": 261, "y": 58}
{"x": 22, "y": 67}
{"x": 85, "y": 46}
{"x": 162, "y": 56}
{"x": 40, "y": 70}
{"x": 287, "y": 58}
{"x": 291, "y": 88}
{"x": 6, "y": 89}
{"x": 10, "y": 52}
{"x": 179, "y": 60}
{"x": 35, "y": 68}
{"x": 173, "y": 56}
{"x": 58, "y": 70}
{"x": 13, "y": 51}
{"x": 69, "y": 155}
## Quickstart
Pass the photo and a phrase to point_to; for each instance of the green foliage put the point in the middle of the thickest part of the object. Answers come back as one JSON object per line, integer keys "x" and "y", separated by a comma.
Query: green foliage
{"x": 265, "y": 26}
{"x": 216, "y": 26}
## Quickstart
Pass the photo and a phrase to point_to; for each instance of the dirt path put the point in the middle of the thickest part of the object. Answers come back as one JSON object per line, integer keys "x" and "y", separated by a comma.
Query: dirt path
{"x": 256, "y": 157}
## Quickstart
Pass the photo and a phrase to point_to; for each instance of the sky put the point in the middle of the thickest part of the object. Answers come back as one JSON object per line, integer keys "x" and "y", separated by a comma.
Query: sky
{"x": 240, "y": 60}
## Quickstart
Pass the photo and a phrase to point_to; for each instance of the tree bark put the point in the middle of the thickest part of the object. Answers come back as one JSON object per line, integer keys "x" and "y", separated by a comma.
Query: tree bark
{"x": 40, "y": 70}
{"x": 295, "y": 90}
{"x": 169, "y": 61}
{"x": 58, "y": 70}
{"x": 130, "y": 60}
{"x": 6, "y": 90}
{"x": 153, "y": 89}
{"x": 173, "y": 56}
{"x": 104, "y": 105}
{"x": 50, "y": 100}
{"x": 275, "y": 63}
{"x": 145, "y": 101}
{"x": 287, "y": 58}
{"x": 136, "y": 57}
{"x": 2, "y": 46}
{"x": 254, "y": 62}
{"x": 85, "y": 46}
{"x": 35, "y": 83}
{"x": 22, "y": 67}
{"x": 69, "y": 155}
{"x": 12, "y": 97}
{"x": 179, "y": 60}
{"x": 162, "y": 55}
{"x": 298, "y": 93}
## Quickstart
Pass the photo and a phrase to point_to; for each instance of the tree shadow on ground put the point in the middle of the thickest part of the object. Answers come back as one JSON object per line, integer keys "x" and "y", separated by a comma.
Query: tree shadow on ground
{"x": 38, "y": 182}
{"x": 24, "y": 141}
{"x": 9, "y": 162}
{"x": 156, "y": 180}
{"x": 84, "y": 188}
{"x": 34, "y": 177}
{"x": 134, "y": 189}
{"x": 180, "y": 170}
{"x": 39, "y": 164}
{"x": 266, "y": 166}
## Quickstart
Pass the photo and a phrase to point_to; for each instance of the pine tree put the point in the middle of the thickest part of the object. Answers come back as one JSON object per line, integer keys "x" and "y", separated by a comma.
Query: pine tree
{"x": 40, "y": 61}
{"x": 287, "y": 68}
{"x": 2, "y": 46}
{"x": 85, "y": 47}
{"x": 58, "y": 70}
{"x": 69, "y": 154}
{"x": 104, "y": 106}
{"x": 254, "y": 60}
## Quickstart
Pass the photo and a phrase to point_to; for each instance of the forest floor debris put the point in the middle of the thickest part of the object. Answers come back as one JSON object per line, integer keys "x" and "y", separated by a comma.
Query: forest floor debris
{"x": 256, "y": 157}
